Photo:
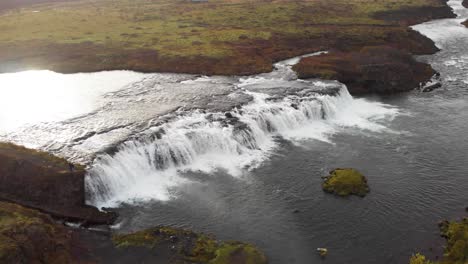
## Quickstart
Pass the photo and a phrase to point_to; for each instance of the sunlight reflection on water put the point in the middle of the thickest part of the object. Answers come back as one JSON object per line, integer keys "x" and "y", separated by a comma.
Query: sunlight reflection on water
{"x": 32, "y": 97}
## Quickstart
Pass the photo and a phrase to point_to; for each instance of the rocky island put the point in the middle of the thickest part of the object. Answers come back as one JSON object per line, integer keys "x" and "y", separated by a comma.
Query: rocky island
{"x": 345, "y": 182}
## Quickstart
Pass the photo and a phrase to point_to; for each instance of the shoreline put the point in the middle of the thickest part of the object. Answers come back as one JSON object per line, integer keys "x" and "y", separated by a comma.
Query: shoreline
{"x": 247, "y": 57}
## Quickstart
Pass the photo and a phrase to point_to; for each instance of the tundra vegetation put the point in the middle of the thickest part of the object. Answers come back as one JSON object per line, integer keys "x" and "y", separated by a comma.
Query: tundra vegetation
{"x": 212, "y": 37}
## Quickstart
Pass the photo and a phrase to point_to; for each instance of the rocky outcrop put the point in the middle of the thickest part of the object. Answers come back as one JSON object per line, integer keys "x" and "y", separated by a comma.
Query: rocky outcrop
{"x": 456, "y": 250}
{"x": 465, "y": 3}
{"x": 345, "y": 182}
{"x": 28, "y": 236}
{"x": 379, "y": 69}
{"x": 190, "y": 247}
{"x": 465, "y": 23}
{"x": 39, "y": 180}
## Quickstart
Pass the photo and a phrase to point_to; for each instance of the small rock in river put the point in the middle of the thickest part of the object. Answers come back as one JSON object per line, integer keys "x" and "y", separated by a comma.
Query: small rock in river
{"x": 322, "y": 251}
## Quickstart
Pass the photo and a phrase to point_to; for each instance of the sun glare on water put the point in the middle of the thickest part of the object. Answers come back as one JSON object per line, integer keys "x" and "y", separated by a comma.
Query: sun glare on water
{"x": 32, "y": 97}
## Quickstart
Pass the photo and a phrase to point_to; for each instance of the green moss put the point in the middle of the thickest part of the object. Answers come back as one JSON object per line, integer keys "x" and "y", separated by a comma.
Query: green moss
{"x": 344, "y": 182}
{"x": 456, "y": 250}
{"x": 456, "y": 234}
{"x": 237, "y": 252}
{"x": 23, "y": 234}
{"x": 204, "y": 249}
{"x": 149, "y": 237}
{"x": 419, "y": 259}
{"x": 193, "y": 247}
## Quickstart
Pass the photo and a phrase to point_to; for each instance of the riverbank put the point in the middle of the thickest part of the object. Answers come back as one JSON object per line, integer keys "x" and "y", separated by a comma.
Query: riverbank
{"x": 39, "y": 192}
{"x": 223, "y": 37}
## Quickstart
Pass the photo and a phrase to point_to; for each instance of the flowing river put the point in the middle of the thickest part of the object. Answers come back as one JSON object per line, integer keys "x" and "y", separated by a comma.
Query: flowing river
{"x": 242, "y": 157}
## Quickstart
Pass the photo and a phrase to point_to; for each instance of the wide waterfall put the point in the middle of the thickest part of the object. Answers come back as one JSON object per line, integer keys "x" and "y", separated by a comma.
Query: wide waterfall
{"x": 149, "y": 165}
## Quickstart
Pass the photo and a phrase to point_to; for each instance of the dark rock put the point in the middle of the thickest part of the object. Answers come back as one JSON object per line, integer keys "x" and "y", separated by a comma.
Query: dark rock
{"x": 465, "y": 3}
{"x": 228, "y": 115}
{"x": 296, "y": 211}
{"x": 39, "y": 180}
{"x": 379, "y": 70}
{"x": 431, "y": 87}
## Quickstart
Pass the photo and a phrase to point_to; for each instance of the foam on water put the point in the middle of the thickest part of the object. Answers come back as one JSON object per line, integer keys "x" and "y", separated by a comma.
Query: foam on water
{"x": 149, "y": 167}
{"x": 442, "y": 31}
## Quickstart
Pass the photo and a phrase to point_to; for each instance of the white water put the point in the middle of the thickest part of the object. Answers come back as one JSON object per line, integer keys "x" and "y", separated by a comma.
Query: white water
{"x": 446, "y": 31}
{"x": 148, "y": 168}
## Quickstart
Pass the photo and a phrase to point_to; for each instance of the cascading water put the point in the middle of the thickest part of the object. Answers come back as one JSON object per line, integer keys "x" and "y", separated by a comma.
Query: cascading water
{"x": 148, "y": 167}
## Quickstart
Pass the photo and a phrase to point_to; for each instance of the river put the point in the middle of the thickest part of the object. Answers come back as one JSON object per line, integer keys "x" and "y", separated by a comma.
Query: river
{"x": 169, "y": 149}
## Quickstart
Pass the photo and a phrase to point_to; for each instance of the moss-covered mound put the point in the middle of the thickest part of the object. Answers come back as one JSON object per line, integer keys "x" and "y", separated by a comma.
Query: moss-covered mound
{"x": 344, "y": 182}
{"x": 28, "y": 236}
{"x": 190, "y": 247}
{"x": 456, "y": 250}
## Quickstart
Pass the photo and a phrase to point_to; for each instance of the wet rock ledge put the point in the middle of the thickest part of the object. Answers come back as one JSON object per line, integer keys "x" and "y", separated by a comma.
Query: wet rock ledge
{"x": 40, "y": 192}
{"x": 39, "y": 180}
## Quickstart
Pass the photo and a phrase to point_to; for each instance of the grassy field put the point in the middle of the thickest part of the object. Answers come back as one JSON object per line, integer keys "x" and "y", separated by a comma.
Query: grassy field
{"x": 165, "y": 35}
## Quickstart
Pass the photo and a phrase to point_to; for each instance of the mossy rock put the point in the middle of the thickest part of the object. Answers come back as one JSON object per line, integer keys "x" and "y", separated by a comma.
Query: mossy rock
{"x": 191, "y": 247}
{"x": 344, "y": 182}
{"x": 28, "y": 236}
{"x": 456, "y": 250}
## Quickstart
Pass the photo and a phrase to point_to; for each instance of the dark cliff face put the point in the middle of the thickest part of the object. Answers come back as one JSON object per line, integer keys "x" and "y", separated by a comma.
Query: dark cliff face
{"x": 39, "y": 180}
{"x": 380, "y": 70}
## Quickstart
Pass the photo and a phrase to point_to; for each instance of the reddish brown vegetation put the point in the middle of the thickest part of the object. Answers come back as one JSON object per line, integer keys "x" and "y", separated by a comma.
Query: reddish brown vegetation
{"x": 379, "y": 69}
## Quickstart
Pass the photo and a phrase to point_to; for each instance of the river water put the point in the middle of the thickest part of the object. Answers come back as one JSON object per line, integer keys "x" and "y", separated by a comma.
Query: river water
{"x": 162, "y": 150}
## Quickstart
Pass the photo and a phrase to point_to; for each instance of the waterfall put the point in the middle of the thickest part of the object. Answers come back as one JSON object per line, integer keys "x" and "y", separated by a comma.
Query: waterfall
{"x": 147, "y": 167}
